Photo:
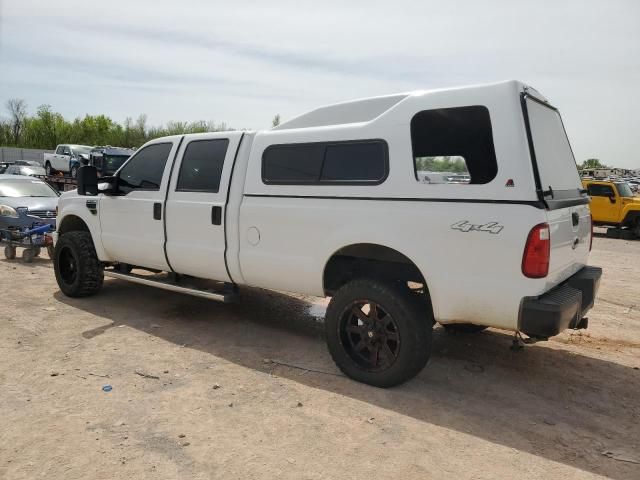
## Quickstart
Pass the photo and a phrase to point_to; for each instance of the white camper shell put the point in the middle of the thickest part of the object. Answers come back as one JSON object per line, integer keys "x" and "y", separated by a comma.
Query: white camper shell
{"x": 335, "y": 202}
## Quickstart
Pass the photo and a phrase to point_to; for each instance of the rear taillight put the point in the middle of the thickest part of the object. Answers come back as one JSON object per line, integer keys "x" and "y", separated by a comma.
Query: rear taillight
{"x": 535, "y": 261}
{"x": 591, "y": 237}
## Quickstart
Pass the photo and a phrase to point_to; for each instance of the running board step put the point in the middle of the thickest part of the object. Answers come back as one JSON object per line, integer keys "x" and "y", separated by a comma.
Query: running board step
{"x": 166, "y": 284}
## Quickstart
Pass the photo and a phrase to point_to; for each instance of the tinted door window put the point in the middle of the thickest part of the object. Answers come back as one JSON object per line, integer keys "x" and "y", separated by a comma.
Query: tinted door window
{"x": 66, "y": 151}
{"x": 144, "y": 170}
{"x": 59, "y": 150}
{"x": 202, "y": 164}
{"x": 596, "y": 190}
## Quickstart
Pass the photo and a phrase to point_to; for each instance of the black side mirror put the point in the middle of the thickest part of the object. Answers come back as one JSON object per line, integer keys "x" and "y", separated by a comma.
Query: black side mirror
{"x": 612, "y": 198}
{"x": 87, "y": 180}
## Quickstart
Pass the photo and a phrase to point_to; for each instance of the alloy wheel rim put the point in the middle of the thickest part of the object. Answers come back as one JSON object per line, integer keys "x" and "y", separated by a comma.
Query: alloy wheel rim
{"x": 68, "y": 266}
{"x": 369, "y": 335}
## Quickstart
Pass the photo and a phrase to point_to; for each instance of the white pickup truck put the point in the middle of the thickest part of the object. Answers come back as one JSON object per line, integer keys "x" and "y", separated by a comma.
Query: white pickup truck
{"x": 331, "y": 204}
{"x": 67, "y": 158}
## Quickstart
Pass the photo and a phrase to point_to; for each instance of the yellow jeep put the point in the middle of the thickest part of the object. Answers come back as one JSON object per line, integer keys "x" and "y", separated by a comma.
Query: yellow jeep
{"x": 613, "y": 204}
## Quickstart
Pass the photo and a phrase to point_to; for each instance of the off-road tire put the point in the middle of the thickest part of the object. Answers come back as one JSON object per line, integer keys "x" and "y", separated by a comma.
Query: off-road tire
{"x": 636, "y": 228}
{"x": 10, "y": 252}
{"x": 73, "y": 172}
{"x": 414, "y": 326}
{"x": 464, "y": 328}
{"x": 48, "y": 169}
{"x": 86, "y": 275}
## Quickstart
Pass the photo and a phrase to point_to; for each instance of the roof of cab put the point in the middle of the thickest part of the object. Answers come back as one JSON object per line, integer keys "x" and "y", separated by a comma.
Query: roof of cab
{"x": 368, "y": 109}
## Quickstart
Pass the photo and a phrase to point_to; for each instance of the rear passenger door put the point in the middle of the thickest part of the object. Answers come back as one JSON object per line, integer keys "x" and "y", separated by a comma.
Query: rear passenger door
{"x": 196, "y": 204}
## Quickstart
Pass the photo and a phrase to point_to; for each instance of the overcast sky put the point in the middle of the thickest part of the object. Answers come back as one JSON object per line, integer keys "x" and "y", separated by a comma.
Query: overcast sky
{"x": 241, "y": 62}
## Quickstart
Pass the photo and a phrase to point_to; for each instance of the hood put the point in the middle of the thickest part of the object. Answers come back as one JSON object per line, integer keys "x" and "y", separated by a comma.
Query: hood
{"x": 32, "y": 203}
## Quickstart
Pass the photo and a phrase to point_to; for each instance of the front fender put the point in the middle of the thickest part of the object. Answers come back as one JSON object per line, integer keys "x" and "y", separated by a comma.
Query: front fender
{"x": 78, "y": 208}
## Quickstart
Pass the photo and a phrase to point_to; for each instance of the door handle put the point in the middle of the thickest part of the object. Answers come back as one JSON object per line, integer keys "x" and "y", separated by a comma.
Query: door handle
{"x": 157, "y": 211}
{"x": 575, "y": 219}
{"x": 216, "y": 215}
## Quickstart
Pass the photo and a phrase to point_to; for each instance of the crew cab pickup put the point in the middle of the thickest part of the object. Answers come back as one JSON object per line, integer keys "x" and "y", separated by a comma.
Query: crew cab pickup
{"x": 332, "y": 203}
{"x": 66, "y": 159}
{"x": 614, "y": 204}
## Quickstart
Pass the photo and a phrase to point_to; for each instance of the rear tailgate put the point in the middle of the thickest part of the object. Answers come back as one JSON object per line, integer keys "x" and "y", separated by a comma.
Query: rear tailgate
{"x": 559, "y": 182}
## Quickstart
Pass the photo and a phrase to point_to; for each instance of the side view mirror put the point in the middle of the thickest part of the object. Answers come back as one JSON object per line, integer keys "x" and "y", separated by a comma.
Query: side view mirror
{"x": 612, "y": 198}
{"x": 87, "y": 180}
{"x": 108, "y": 185}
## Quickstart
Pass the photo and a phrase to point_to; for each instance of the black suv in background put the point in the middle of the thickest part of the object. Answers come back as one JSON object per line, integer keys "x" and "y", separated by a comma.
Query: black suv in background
{"x": 109, "y": 159}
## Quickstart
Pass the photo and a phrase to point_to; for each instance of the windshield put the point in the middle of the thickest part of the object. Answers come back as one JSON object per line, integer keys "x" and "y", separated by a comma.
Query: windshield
{"x": 26, "y": 188}
{"x": 79, "y": 149}
{"x": 624, "y": 190}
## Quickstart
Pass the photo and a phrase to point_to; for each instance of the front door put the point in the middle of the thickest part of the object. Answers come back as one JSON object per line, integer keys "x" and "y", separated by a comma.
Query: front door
{"x": 196, "y": 205}
{"x": 132, "y": 222}
{"x": 60, "y": 161}
{"x": 605, "y": 204}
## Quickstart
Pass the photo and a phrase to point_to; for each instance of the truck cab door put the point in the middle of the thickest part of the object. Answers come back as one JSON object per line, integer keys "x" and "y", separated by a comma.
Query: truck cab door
{"x": 131, "y": 221}
{"x": 56, "y": 158}
{"x": 196, "y": 204}
{"x": 605, "y": 203}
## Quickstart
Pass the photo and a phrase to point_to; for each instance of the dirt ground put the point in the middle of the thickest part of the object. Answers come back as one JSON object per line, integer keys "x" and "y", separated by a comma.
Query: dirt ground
{"x": 249, "y": 391}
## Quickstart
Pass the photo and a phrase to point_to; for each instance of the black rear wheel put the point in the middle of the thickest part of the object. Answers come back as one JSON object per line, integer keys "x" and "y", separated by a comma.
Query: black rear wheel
{"x": 378, "y": 333}
{"x": 47, "y": 168}
{"x": 79, "y": 273}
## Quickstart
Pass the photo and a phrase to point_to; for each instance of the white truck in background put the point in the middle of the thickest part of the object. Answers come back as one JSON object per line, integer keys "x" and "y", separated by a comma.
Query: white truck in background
{"x": 67, "y": 158}
{"x": 331, "y": 204}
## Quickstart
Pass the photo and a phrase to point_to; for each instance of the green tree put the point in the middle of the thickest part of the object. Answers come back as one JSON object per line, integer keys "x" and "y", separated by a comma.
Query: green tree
{"x": 276, "y": 121}
{"x": 47, "y": 128}
{"x": 592, "y": 163}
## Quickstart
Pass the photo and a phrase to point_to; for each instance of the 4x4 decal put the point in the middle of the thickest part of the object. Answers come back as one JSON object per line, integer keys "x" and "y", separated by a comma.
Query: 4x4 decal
{"x": 465, "y": 226}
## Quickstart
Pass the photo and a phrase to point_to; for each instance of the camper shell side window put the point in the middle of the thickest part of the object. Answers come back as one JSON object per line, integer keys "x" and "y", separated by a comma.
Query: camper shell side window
{"x": 453, "y": 145}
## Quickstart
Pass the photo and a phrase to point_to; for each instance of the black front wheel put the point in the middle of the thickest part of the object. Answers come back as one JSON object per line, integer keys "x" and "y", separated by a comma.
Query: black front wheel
{"x": 79, "y": 273}
{"x": 378, "y": 333}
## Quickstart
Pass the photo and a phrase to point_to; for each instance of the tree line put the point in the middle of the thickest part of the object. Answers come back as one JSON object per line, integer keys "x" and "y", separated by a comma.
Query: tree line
{"x": 453, "y": 164}
{"x": 46, "y": 128}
